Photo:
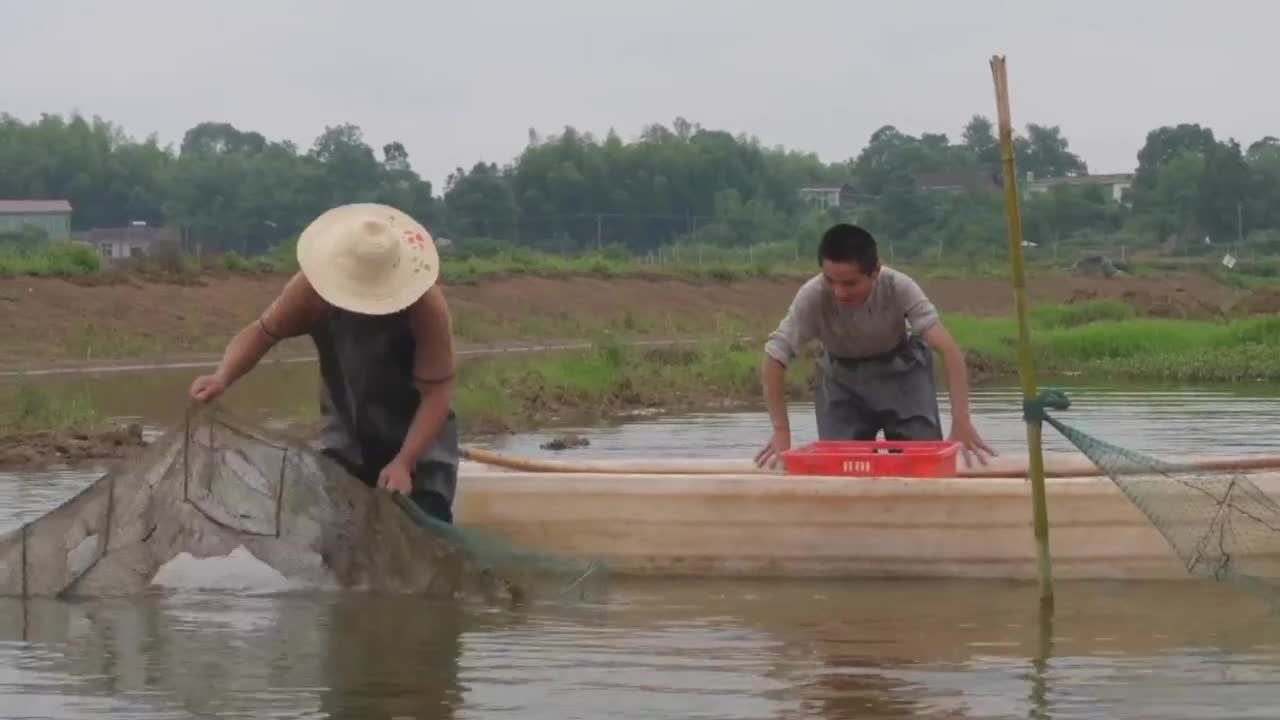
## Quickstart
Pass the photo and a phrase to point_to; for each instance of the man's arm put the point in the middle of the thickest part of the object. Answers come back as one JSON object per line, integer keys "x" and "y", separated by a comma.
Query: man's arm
{"x": 289, "y": 315}
{"x": 957, "y": 373}
{"x": 954, "y": 367}
{"x": 798, "y": 327}
{"x": 433, "y": 372}
{"x": 923, "y": 318}
{"x": 775, "y": 393}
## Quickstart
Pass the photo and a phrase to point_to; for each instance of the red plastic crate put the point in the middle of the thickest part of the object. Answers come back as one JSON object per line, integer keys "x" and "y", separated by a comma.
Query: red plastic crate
{"x": 916, "y": 458}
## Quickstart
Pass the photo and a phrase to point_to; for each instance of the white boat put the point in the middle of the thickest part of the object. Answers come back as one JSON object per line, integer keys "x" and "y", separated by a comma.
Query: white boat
{"x": 691, "y": 518}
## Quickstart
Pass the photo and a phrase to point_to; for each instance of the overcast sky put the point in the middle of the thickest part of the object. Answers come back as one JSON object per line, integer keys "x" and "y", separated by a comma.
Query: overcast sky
{"x": 463, "y": 81}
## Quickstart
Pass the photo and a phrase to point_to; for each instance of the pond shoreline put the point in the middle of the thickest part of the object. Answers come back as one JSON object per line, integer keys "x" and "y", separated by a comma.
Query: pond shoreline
{"x": 519, "y": 387}
{"x": 110, "y": 444}
{"x": 69, "y": 449}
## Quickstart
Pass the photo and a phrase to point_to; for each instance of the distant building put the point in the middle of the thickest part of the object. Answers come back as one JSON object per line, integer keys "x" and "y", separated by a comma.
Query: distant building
{"x": 955, "y": 181}
{"x": 129, "y": 242}
{"x": 826, "y": 196}
{"x": 51, "y": 216}
{"x": 1115, "y": 185}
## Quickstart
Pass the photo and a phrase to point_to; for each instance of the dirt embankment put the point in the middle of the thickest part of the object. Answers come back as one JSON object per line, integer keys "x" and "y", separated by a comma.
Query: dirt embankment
{"x": 50, "y": 321}
{"x": 43, "y": 449}
{"x": 1261, "y": 301}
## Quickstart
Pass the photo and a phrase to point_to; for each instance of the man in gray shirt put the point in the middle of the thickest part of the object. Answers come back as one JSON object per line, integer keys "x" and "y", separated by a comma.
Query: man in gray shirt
{"x": 875, "y": 373}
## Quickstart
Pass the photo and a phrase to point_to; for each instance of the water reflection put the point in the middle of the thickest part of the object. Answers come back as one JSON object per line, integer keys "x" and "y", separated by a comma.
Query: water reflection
{"x": 656, "y": 650}
{"x": 396, "y": 658}
{"x": 966, "y": 649}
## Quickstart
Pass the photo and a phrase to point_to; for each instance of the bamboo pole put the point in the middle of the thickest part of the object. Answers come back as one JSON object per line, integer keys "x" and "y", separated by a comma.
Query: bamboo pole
{"x": 1026, "y": 367}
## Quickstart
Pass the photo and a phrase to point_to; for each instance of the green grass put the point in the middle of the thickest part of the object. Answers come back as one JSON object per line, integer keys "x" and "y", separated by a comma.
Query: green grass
{"x": 1245, "y": 363}
{"x": 50, "y": 259}
{"x": 234, "y": 262}
{"x": 64, "y": 259}
{"x": 506, "y": 393}
{"x": 1076, "y": 314}
{"x": 31, "y": 409}
{"x": 1102, "y": 339}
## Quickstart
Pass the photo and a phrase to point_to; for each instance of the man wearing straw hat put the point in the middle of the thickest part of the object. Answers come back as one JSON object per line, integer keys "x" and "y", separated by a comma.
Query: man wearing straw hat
{"x": 367, "y": 297}
{"x": 875, "y": 373}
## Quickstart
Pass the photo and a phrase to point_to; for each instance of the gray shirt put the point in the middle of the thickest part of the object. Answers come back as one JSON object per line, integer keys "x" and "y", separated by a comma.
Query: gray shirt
{"x": 877, "y": 326}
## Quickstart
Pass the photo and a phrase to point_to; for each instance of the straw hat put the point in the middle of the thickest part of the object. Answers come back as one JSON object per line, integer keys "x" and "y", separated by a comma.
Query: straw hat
{"x": 368, "y": 258}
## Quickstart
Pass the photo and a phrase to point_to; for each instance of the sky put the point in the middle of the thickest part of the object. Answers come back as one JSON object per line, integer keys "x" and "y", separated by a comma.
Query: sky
{"x": 465, "y": 81}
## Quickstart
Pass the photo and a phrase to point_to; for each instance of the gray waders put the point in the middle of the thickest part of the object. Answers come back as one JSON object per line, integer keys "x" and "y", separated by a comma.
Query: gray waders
{"x": 895, "y": 392}
{"x": 368, "y": 399}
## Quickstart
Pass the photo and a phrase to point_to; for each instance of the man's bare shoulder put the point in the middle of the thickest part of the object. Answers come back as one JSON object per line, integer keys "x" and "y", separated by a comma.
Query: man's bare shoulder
{"x": 429, "y": 314}
{"x": 432, "y": 302}
{"x": 295, "y": 310}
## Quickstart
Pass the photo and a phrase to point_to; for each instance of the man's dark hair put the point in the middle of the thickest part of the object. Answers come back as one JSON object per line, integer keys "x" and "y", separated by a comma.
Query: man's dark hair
{"x": 849, "y": 243}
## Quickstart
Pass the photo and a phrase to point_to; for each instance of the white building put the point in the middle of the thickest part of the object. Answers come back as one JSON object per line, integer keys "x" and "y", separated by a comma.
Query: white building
{"x": 1115, "y": 185}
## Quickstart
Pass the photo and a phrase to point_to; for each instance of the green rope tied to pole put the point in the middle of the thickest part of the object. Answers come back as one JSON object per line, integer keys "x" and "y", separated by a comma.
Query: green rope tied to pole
{"x": 1034, "y": 409}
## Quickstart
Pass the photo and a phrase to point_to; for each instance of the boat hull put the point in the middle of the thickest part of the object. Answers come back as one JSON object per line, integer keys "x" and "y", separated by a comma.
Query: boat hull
{"x": 767, "y": 525}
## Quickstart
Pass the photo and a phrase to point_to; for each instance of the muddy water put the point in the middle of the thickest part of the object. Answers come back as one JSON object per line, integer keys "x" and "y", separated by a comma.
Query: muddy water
{"x": 1158, "y": 420}
{"x": 654, "y": 649}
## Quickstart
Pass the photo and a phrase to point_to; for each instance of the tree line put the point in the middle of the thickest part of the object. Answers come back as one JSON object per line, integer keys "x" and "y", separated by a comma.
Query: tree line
{"x": 234, "y": 189}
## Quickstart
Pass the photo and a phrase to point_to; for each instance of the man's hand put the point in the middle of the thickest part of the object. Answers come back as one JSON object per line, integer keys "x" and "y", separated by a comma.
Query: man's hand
{"x": 207, "y": 388}
{"x": 971, "y": 443}
{"x": 396, "y": 478}
{"x": 771, "y": 454}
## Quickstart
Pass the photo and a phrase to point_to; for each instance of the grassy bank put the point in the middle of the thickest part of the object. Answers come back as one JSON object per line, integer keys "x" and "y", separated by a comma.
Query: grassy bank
{"x": 494, "y": 395}
{"x": 57, "y": 260}
{"x": 500, "y": 394}
{"x": 706, "y": 263}
{"x": 1105, "y": 339}
{"x": 78, "y": 261}
{"x": 30, "y": 409}
{"x": 39, "y": 429}
{"x": 1100, "y": 340}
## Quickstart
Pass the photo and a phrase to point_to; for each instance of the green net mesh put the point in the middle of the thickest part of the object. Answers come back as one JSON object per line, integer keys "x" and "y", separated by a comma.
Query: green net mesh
{"x": 1220, "y": 523}
{"x": 522, "y": 571}
{"x": 220, "y": 485}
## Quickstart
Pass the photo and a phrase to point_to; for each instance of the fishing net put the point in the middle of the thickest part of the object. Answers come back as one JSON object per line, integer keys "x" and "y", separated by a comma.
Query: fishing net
{"x": 219, "y": 487}
{"x": 1220, "y": 523}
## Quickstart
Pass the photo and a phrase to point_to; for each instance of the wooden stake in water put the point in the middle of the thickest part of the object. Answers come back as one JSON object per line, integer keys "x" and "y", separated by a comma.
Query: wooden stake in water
{"x": 1026, "y": 367}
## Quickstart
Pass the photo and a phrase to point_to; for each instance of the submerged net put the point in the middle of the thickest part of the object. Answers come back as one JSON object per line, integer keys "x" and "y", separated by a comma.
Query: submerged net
{"x": 1220, "y": 523}
{"x": 219, "y": 484}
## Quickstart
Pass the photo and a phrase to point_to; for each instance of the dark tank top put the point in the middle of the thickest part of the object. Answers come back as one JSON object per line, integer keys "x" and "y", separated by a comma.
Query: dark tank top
{"x": 368, "y": 397}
